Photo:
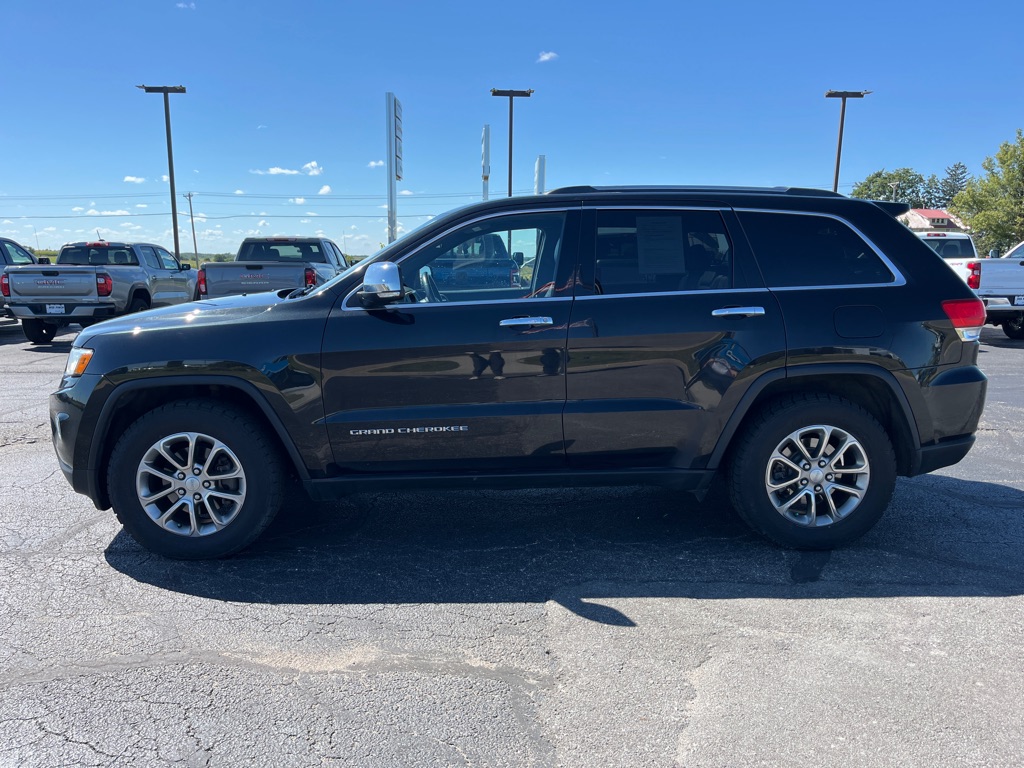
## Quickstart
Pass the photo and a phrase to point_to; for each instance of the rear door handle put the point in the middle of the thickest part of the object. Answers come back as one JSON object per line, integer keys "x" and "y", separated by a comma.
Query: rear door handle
{"x": 514, "y": 322}
{"x": 738, "y": 312}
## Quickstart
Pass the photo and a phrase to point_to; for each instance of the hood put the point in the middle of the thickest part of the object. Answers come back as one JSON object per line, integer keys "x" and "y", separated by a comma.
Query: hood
{"x": 223, "y": 311}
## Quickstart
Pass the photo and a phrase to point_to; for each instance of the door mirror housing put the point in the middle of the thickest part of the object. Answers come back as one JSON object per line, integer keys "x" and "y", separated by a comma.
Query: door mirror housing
{"x": 517, "y": 257}
{"x": 993, "y": 254}
{"x": 382, "y": 284}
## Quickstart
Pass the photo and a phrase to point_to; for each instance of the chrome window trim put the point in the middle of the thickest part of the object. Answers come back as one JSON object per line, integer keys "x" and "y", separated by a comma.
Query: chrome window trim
{"x": 898, "y": 278}
{"x": 672, "y": 293}
{"x": 564, "y": 210}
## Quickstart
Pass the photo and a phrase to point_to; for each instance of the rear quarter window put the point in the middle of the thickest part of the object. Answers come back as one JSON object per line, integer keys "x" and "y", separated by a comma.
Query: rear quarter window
{"x": 796, "y": 250}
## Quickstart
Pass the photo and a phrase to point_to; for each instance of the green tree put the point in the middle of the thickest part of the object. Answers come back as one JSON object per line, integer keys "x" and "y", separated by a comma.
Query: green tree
{"x": 910, "y": 187}
{"x": 992, "y": 206}
{"x": 953, "y": 184}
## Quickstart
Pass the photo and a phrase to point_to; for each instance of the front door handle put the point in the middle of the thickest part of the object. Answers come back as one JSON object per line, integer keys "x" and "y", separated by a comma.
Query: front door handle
{"x": 514, "y": 322}
{"x": 738, "y": 312}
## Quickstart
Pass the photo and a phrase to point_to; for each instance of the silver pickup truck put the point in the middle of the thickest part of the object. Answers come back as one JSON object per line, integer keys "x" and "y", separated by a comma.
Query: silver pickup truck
{"x": 91, "y": 282}
{"x": 270, "y": 264}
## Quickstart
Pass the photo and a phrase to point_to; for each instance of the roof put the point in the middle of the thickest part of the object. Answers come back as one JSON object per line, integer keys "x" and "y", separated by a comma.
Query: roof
{"x": 931, "y": 213}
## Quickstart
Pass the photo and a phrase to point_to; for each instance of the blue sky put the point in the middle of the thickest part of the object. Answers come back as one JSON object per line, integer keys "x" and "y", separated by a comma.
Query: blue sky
{"x": 625, "y": 93}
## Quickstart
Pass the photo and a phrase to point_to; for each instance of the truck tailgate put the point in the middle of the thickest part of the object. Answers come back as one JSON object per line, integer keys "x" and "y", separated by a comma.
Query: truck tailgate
{"x": 51, "y": 282}
{"x": 231, "y": 278}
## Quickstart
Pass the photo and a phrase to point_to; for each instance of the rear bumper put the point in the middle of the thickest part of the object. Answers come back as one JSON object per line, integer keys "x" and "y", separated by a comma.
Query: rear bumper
{"x": 944, "y": 454}
{"x": 72, "y": 312}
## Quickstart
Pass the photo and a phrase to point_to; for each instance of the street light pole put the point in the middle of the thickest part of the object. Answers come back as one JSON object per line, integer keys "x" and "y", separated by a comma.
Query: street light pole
{"x": 511, "y": 96}
{"x": 165, "y": 90}
{"x": 844, "y": 95}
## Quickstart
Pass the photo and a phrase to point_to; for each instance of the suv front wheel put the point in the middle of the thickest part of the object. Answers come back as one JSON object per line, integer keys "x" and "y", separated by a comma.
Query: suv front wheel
{"x": 812, "y": 471}
{"x": 195, "y": 479}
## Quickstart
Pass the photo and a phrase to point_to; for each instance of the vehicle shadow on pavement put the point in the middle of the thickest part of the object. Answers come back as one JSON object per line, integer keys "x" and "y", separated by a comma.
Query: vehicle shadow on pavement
{"x": 941, "y": 536}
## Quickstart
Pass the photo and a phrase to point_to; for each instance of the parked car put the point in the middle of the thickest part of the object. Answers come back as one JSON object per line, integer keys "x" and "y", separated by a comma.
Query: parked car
{"x": 999, "y": 283}
{"x": 803, "y": 345}
{"x": 270, "y": 264}
{"x": 93, "y": 281}
{"x": 11, "y": 253}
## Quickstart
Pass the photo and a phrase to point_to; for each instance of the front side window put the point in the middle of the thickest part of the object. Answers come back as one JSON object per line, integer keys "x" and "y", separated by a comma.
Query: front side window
{"x": 809, "y": 250}
{"x": 661, "y": 251}
{"x": 166, "y": 260}
{"x": 508, "y": 257}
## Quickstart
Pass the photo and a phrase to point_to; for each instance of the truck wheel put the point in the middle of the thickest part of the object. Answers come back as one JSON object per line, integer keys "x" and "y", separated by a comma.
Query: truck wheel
{"x": 1014, "y": 328}
{"x": 195, "y": 479}
{"x": 812, "y": 471}
{"x": 39, "y": 331}
{"x": 138, "y": 304}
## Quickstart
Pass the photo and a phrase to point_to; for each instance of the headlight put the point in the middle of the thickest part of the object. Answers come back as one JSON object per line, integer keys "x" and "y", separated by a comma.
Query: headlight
{"x": 78, "y": 361}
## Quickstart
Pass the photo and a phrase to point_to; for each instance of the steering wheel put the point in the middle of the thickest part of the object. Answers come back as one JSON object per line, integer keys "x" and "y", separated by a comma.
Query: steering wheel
{"x": 430, "y": 288}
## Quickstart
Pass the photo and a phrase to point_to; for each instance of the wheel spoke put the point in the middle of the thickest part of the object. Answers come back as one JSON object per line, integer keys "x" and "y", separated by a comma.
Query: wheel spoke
{"x": 157, "y": 495}
{"x": 162, "y": 450}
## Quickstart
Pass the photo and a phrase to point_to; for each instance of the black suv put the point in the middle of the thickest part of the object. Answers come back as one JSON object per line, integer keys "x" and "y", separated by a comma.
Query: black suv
{"x": 806, "y": 345}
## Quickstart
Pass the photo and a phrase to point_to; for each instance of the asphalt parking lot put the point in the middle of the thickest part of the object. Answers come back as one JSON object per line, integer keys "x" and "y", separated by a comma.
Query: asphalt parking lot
{"x": 596, "y": 627}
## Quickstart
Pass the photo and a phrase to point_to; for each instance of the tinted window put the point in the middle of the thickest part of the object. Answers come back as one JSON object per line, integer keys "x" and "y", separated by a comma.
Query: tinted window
{"x": 282, "y": 251}
{"x": 506, "y": 257}
{"x": 951, "y": 248}
{"x": 97, "y": 255}
{"x": 804, "y": 249}
{"x": 150, "y": 257}
{"x": 660, "y": 251}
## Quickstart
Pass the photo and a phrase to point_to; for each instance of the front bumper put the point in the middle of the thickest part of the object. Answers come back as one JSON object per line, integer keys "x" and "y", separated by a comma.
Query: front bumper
{"x": 72, "y": 426}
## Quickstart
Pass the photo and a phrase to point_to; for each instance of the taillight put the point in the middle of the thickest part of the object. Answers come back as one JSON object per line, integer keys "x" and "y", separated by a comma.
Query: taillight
{"x": 104, "y": 285}
{"x": 310, "y": 277}
{"x": 967, "y": 316}
{"x": 974, "y": 278}
{"x": 5, "y": 286}
{"x": 201, "y": 282}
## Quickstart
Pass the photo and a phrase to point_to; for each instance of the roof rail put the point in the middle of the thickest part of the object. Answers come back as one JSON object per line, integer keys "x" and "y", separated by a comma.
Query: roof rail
{"x": 803, "y": 191}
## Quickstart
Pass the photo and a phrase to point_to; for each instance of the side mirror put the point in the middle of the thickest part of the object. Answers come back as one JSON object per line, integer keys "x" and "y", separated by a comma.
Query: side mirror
{"x": 382, "y": 284}
{"x": 44, "y": 260}
{"x": 993, "y": 254}
{"x": 517, "y": 257}
{"x": 186, "y": 267}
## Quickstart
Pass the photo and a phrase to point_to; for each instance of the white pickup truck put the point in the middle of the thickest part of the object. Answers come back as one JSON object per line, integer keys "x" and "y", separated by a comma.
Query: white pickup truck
{"x": 999, "y": 282}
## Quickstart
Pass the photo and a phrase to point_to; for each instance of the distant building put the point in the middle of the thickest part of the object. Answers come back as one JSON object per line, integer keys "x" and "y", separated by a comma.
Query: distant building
{"x": 929, "y": 219}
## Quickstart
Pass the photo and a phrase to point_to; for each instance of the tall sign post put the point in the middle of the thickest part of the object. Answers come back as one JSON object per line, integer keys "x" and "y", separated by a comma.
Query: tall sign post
{"x": 165, "y": 90}
{"x": 394, "y": 134}
{"x": 485, "y": 142}
{"x": 512, "y": 95}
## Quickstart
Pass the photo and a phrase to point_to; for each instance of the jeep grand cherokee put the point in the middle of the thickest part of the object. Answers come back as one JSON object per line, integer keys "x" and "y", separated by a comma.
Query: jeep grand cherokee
{"x": 806, "y": 346}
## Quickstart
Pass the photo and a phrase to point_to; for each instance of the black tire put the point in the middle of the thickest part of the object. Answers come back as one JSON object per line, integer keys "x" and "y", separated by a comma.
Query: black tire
{"x": 229, "y": 498}
{"x": 39, "y": 331}
{"x": 780, "y": 499}
{"x": 139, "y": 304}
{"x": 1014, "y": 328}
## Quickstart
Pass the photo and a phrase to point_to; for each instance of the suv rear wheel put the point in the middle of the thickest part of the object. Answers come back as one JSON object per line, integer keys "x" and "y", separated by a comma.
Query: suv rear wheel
{"x": 812, "y": 471}
{"x": 195, "y": 479}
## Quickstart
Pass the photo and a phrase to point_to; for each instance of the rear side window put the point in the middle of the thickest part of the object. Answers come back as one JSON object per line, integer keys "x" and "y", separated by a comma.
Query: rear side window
{"x": 16, "y": 255}
{"x": 809, "y": 250}
{"x": 661, "y": 251}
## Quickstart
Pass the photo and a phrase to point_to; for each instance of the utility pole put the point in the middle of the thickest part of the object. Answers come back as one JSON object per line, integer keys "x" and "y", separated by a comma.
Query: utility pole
{"x": 844, "y": 95}
{"x": 512, "y": 95}
{"x": 195, "y": 248}
{"x": 165, "y": 90}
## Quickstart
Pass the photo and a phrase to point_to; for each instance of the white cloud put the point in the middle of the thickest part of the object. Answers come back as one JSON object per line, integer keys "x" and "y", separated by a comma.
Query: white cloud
{"x": 49, "y": 229}
{"x": 311, "y": 213}
{"x": 304, "y": 221}
{"x": 312, "y": 169}
{"x": 405, "y": 192}
{"x": 186, "y": 6}
{"x": 262, "y": 223}
{"x": 239, "y": 192}
{"x": 141, "y": 205}
{"x": 546, "y": 56}
{"x": 376, "y": 164}
{"x": 260, "y": 127}
{"x": 134, "y": 179}
{"x": 276, "y": 171}
{"x": 94, "y": 212}
{"x": 165, "y": 178}
{"x": 353, "y": 227}
{"x": 325, "y": 190}
{"x": 297, "y": 200}
{"x": 77, "y": 209}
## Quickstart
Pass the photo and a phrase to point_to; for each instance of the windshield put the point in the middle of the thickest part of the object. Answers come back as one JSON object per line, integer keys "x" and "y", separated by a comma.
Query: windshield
{"x": 97, "y": 255}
